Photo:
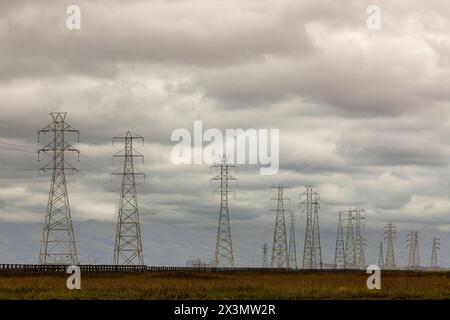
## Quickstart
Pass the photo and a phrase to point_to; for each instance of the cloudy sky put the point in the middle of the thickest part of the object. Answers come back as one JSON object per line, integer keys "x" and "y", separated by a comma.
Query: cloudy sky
{"x": 363, "y": 114}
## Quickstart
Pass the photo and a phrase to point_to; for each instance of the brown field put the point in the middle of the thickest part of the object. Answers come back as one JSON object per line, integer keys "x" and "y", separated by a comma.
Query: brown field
{"x": 185, "y": 285}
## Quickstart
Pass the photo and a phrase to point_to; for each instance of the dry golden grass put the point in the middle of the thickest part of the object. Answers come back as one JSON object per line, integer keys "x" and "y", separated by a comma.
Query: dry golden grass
{"x": 184, "y": 285}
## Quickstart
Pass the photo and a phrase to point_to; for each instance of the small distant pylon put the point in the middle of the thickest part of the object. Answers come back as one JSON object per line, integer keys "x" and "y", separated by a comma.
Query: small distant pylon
{"x": 380, "y": 255}
{"x": 390, "y": 234}
{"x": 312, "y": 252}
{"x": 292, "y": 248}
{"x": 58, "y": 241}
{"x": 339, "y": 255}
{"x": 128, "y": 243}
{"x": 412, "y": 242}
{"x": 265, "y": 262}
{"x": 435, "y": 246}
{"x": 223, "y": 255}
{"x": 280, "y": 254}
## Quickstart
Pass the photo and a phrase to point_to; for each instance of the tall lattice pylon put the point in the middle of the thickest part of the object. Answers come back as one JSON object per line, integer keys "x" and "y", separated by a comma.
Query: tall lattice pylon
{"x": 265, "y": 261}
{"x": 435, "y": 246}
{"x": 223, "y": 255}
{"x": 339, "y": 254}
{"x": 312, "y": 252}
{"x": 380, "y": 256}
{"x": 128, "y": 244}
{"x": 412, "y": 242}
{"x": 58, "y": 241}
{"x": 350, "y": 252}
{"x": 292, "y": 247}
{"x": 280, "y": 254}
{"x": 359, "y": 216}
{"x": 390, "y": 234}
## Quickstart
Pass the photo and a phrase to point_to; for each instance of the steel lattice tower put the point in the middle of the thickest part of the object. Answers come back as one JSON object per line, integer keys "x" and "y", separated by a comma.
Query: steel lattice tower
{"x": 265, "y": 262}
{"x": 223, "y": 256}
{"x": 412, "y": 242}
{"x": 359, "y": 216}
{"x": 58, "y": 241}
{"x": 390, "y": 233}
{"x": 380, "y": 256}
{"x": 339, "y": 254}
{"x": 292, "y": 248}
{"x": 434, "y": 258}
{"x": 280, "y": 254}
{"x": 350, "y": 252}
{"x": 417, "y": 246}
{"x": 312, "y": 252}
{"x": 128, "y": 244}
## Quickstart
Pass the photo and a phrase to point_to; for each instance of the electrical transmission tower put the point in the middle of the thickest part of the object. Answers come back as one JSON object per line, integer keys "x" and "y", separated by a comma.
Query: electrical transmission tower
{"x": 58, "y": 240}
{"x": 355, "y": 242}
{"x": 280, "y": 254}
{"x": 350, "y": 253}
{"x": 128, "y": 244}
{"x": 434, "y": 259}
{"x": 359, "y": 216}
{"x": 312, "y": 252}
{"x": 390, "y": 233}
{"x": 380, "y": 256}
{"x": 292, "y": 248}
{"x": 412, "y": 242}
{"x": 265, "y": 262}
{"x": 339, "y": 254}
{"x": 223, "y": 256}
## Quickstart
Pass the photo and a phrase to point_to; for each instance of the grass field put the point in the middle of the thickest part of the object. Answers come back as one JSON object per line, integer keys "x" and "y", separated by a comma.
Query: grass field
{"x": 184, "y": 285}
